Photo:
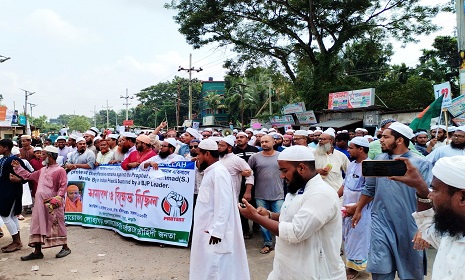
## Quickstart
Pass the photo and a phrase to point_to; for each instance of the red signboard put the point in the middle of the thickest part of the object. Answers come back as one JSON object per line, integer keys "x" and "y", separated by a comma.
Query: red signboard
{"x": 128, "y": 123}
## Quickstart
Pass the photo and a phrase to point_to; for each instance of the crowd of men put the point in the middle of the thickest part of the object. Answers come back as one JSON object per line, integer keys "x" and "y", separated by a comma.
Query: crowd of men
{"x": 303, "y": 188}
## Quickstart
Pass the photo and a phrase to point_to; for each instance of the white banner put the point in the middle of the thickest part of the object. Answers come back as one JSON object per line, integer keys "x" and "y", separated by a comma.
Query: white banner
{"x": 135, "y": 204}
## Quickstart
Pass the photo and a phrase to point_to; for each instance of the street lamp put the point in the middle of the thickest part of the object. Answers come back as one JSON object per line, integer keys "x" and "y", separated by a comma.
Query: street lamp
{"x": 3, "y": 58}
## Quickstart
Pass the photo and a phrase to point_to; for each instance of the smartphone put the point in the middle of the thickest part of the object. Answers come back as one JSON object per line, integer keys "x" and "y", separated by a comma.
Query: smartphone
{"x": 383, "y": 168}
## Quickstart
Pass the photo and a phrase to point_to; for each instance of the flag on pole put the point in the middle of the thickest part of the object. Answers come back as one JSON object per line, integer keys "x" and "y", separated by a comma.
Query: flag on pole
{"x": 423, "y": 120}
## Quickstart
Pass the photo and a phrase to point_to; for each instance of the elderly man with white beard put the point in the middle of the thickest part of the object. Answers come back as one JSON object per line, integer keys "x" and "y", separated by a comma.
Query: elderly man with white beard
{"x": 330, "y": 162}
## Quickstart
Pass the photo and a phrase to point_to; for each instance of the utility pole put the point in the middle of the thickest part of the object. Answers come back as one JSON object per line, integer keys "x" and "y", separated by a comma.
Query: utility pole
{"x": 127, "y": 97}
{"x": 459, "y": 9}
{"x": 269, "y": 94}
{"x": 178, "y": 105}
{"x": 95, "y": 116}
{"x": 26, "y": 95}
{"x": 108, "y": 107}
{"x": 32, "y": 106}
{"x": 189, "y": 70}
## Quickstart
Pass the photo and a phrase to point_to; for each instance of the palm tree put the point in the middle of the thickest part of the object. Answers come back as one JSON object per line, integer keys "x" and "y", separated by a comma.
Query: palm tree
{"x": 214, "y": 101}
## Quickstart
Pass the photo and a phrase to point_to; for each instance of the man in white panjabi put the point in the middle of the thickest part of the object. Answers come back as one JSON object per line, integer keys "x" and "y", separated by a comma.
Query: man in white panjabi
{"x": 218, "y": 249}
{"x": 309, "y": 226}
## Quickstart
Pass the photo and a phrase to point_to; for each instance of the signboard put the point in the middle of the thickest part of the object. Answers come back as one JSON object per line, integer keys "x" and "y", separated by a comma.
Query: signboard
{"x": 128, "y": 123}
{"x": 9, "y": 117}
{"x": 134, "y": 203}
{"x": 307, "y": 117}
{"x": 458, "y": 106}
{"x": 293, "y": 108}
{"x": 360, "y": 98}
{"x": 443, "y": 89}
{"x": 282, "y": 120}
{"x": 460, "y": 120}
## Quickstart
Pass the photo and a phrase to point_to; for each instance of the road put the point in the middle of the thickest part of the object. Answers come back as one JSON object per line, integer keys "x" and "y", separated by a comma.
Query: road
{"x": 104, "y": 254}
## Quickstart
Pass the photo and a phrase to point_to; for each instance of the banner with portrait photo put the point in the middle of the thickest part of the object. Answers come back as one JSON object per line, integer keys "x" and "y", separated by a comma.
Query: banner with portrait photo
{"x": 134, "y": 203}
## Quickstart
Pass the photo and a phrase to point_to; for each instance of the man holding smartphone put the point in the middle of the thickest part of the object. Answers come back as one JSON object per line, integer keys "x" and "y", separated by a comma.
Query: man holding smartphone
{"x": 393, "y": 227}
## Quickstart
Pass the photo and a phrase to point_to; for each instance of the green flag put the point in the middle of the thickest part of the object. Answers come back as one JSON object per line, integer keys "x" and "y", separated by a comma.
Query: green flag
{"x": 423, "y": 120}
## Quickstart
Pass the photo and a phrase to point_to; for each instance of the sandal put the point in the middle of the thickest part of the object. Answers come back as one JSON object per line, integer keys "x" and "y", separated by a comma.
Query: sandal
{"x": 63, "y": 253}
{"x": 9, "y": 249}
{"x": 32, "y": 256}
{"x": 266, "y": 249}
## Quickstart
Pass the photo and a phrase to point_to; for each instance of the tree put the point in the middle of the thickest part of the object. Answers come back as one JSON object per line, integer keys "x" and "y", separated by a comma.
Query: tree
{"x": 79, "y": 123}
{"x": 214, "y": 101}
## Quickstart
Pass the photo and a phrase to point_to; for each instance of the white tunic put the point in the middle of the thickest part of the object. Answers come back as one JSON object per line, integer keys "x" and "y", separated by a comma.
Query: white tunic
{"x": 450, "y": 258}
{"x": 235, "y": 166}
{"x": 309, "y": 241}
{"x": 216, "y": 212}
{"x": 339, "y": 163}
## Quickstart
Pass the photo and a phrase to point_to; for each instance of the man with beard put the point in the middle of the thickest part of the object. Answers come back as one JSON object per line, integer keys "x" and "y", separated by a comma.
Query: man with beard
{"x": 287, "y": 140}
{"x": 244, "y": 151}
{"x": 48, "y": 221}
{"x": 82, "y": 157}
{"x": 438, "y": 138}
{"x": 456, "y": 147}
{"x": 63, "y": 150}
{"x": 105, "y": 154}
{"x": 250, "y": 136}
{"x": 356, "y": 240}
{"x": 166, "y": 155}
{"x": 421, "y": 138}
{"x": 443, "y": 226}
{"x": 218, "y": 249}
{"x": 237, "y": 167}
{"x": 316, "y": 136}
{"x": 329, "y": 162}
{"x": 278, "y": 141}
{"x": 189, "y": 135}
{"x": 112, "y": 140}
{"x": 269, "y": 188}
{"x": 89, "y": 136}
{"x": 128, "y": 143}
{"x": 342, "y": 143}
{"x": 308, "y": 229}
{"x": 142, "y": 153}
{"x": 393, "y": 227}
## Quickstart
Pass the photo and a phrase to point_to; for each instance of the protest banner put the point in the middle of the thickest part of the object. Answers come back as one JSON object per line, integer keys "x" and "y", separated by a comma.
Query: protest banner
{"x": 136, "y": 204}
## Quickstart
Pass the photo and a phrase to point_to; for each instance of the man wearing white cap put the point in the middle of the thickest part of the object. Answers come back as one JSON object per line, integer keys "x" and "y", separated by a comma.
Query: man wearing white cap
{"x": 455, "y": 148}
{"x": 250, "y": 136}
{"x": 391, "y": 247}
{"x": 329, "y": 162}
{"x": 300, "y": 138}
{"x": 72, "y": 142}
{"x": 421, "y": 138}
{"x": 27, "y": 151}
{"x": 63, "y": 150}
{"x": 356, "y": 240}
{"x": 48, "y": 221}
{"x": 112, "y": 140}
{"x": 438, "y": 137}
{"x": 237, "y": 167}
{"x": 142, "y": 153}
{"x": 89, "y": 136}
{"x": 316, "y": 136}
{"x": 218, "y": 249}
{"x": 189, "y": 135}
{"x": 166, "y": 155}
{"x": 82, "y": 157}
{"x": 444, "y": 226}
{"x": 308, "y": 229}
{"x": 128, "y": 143}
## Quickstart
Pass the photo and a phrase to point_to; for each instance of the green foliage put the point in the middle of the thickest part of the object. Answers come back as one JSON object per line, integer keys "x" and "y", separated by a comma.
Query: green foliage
{"x": 79, "y": 123}
{"x": 43, "y": 124}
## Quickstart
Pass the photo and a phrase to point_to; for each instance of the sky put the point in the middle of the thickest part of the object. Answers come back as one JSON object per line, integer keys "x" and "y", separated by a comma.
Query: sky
{"x": 78, "y": 55}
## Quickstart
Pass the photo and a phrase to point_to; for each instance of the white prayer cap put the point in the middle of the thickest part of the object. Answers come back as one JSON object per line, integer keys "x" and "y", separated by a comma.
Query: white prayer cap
{"x": 434, "y": 127}
{"x": 208, "y": 129}
{"x": 61, "y": 138}
{"x": 264, "y": 130}
{"x": 72, "y": 136}
{"x": 402, "y": 129}
{"x": 344, "y": 131}
{"x": 338, "y": 132}
{"x": 310, "y": 132}
{"x": 290, "y": 130}
{"x": 95, "y": 130}
{"x": 359, "y": 129}
{"x": 368, "y": 136}
{"x": 229, "y": 140}
{"x": 79, "y": 139}
{"x": 15, "y": 143}
{"x": 97, "y": 138}
{"x": 235, "y": 131}
{"x": 27, "y": 137}
{"x": 460, "y": 128}
{"x": 360, "y": 141}
{"x": 51, "y": 149}
{"x": 301, "y": 133}
{"x": 272, "y": 130}
{"x": 365, "y": 130}
{"x": 15, "y": 151}
{"x": 318, "y": 130}
{"x": 193, "y": 132}
{"x": 260, "y": 132}
{"x": 452, "y": 128}
{"x": 296, "y": 153}
{"x": 421, "y": 132}
{"x": 90, "y": 132}
{"x": 113, "y": 136}
{"x": 37, "y": 149}
{"x": 129, "y": 135}
{"x": 208, "y": 144}
{"x": 242, "y": 133}
{"x": 329, "y": 132}
{"x": 170, "y": 141}
{"x": 249, "y": 130}
{"x": 451, "y": 171}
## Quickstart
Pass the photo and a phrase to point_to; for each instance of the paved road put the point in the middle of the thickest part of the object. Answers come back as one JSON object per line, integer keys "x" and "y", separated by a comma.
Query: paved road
{"x": 124, "y": 258}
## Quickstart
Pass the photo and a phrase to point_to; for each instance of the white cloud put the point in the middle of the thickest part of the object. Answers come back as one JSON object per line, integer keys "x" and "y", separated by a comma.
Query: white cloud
{"x": 48, "y": 23}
